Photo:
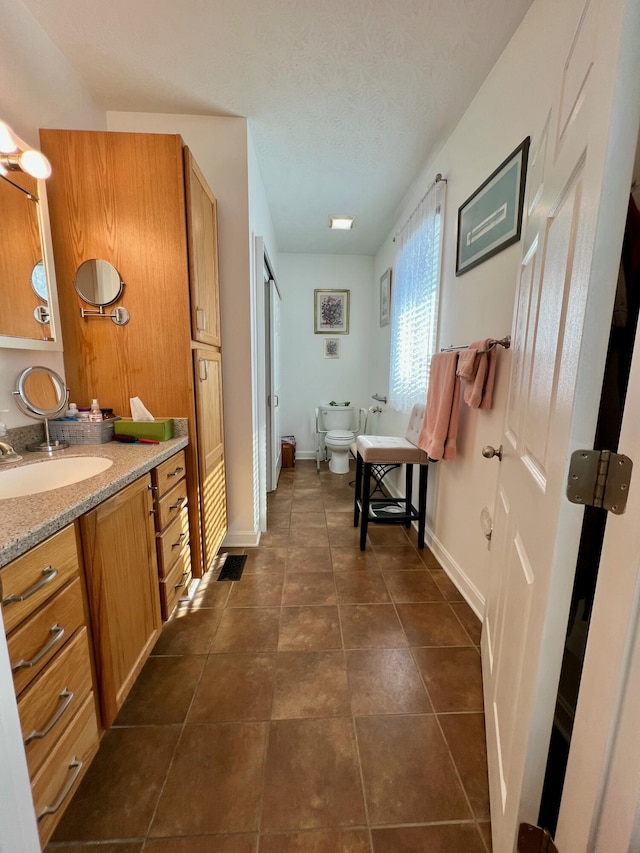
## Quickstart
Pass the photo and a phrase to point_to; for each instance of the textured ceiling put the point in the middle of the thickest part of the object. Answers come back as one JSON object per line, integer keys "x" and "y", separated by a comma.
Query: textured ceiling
{"x": 346, "y": 98}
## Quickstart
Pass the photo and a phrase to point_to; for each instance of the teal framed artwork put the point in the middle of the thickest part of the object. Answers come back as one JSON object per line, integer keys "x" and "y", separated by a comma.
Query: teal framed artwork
{"x": 491, "y": 218}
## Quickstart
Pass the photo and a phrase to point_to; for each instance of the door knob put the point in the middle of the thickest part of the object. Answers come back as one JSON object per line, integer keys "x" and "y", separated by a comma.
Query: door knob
{"x": 489, "y": 452}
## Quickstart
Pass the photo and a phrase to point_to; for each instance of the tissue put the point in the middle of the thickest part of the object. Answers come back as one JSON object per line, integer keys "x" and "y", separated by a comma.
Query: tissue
{"x": 138, "y": 410}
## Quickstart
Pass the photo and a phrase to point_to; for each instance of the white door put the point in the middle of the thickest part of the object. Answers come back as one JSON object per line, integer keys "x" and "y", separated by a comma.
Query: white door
{"x": 576, "y": 206}
{"x": 274, "y": 394}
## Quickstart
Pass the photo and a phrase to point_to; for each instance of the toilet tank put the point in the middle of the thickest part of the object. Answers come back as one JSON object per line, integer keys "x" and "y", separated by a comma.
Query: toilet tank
{"x": 337, "y": 417}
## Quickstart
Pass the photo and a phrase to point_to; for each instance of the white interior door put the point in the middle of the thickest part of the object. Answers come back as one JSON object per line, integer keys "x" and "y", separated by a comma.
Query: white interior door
{"x": 576, "y": 206}
{"x": 274, "y": 396}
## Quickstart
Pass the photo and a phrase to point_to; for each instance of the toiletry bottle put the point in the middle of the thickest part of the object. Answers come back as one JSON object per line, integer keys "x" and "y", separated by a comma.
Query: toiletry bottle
{"x": 96, "y": 412}
{"x": 83, "y": 413}
{"x": 72, "y": 412}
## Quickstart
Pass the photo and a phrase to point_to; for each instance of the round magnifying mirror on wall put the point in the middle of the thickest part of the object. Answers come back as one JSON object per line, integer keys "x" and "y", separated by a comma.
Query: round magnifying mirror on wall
{"x": 98, "y": 282}
{"x": 39, "y": 281}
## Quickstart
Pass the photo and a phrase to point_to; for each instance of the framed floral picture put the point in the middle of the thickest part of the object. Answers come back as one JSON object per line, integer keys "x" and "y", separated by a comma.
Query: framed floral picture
{"x": 331, "y": 347}
{"x": 385, "y": 298}
{"x": 331, "y": 312}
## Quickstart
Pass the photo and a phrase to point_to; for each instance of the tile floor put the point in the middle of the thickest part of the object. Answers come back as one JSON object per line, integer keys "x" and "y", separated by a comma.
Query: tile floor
{"x": 329, "y": 702}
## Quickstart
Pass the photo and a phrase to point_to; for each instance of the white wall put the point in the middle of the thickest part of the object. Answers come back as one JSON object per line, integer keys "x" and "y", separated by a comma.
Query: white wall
{"x": 480, "y": 303}
{"x": 308, "y": 379}
{"x": 219, "y": 145}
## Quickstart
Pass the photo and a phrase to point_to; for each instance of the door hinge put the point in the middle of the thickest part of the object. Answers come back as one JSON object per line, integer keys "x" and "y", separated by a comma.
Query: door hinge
{"x": 599, "y": 478}
{"x": 533, "y": 839}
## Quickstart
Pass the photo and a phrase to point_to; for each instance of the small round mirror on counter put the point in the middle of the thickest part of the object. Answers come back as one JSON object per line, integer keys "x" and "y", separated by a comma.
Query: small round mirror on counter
{"x": 41, "y": 393}
{"x": 98, "y": 282}
{"x": 39, "y": 281}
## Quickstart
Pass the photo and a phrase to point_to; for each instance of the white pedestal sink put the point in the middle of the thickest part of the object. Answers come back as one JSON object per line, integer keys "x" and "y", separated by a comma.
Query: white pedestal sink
{"x": 48, "y": 474}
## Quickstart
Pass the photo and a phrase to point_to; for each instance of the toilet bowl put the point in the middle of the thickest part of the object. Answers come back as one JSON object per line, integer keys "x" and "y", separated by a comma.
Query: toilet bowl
{"x": 338, "y": 421}
{"x": 338, "y": 441}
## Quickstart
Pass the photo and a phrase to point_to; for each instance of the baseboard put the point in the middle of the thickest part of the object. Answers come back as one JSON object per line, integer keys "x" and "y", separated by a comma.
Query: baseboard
{"x": 241, "y": 539}
{"x": 305, "y": 454}
{"x": 464, "y": 585}
{"x": 455, "y": 573}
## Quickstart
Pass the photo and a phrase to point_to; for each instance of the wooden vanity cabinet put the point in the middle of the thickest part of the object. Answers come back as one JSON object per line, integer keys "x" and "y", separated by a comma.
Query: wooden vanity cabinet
{"x": 139, "y": 201}
{"x": 45, "y": 614}
{"x": 119, "y": 549}
{"x": 172, "y": 531}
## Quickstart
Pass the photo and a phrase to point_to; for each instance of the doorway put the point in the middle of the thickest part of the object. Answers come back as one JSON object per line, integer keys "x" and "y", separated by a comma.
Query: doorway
{"x": 272, "y": 302}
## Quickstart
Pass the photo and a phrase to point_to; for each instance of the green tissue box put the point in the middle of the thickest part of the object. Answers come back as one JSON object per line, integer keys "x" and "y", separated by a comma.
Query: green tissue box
{"x": 160, "y": 430}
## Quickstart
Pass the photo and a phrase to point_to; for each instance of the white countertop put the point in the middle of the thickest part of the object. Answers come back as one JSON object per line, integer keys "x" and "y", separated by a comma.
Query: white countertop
{"x": 27, "y": 521}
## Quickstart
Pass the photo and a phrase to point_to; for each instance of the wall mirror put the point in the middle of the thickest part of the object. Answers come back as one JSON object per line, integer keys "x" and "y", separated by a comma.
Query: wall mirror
{"x": 29, "y": 317}
{"x": 42, "y": 393}
{"x": 98, "y": 282}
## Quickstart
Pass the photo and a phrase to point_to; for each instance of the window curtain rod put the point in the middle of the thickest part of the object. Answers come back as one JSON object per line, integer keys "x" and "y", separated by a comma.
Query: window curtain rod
{"x": 437, "y": 180}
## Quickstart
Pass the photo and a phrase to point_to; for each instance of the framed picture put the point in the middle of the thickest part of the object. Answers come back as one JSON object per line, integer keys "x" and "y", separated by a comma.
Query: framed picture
{"x": 385, "y": 297}
{"x": 331, "y": 314}
{"x": 491, "y": 218}
{"x": 331, "y": 347}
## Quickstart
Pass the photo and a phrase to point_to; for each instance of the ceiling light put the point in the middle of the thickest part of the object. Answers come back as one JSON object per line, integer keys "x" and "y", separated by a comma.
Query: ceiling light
{"x": 341, "y": 223}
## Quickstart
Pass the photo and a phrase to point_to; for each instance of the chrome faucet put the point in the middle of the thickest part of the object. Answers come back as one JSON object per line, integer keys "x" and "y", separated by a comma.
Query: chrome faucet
{"x": 7, "y": 453}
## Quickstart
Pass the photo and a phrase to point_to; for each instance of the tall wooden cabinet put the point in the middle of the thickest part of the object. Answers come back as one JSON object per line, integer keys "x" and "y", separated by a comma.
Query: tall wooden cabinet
{"x": 140, "y": 202}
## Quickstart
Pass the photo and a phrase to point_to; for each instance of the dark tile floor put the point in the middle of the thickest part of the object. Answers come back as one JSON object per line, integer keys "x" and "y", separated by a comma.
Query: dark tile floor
{"x": 329, "y": 702}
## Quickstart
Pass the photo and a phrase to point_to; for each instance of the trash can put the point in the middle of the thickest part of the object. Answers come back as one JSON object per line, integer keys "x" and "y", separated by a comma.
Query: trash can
{"x": 288, "y": 445}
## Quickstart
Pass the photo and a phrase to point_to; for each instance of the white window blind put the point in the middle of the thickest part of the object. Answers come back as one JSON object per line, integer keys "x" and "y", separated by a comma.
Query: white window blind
{"x": 414, "y": 301}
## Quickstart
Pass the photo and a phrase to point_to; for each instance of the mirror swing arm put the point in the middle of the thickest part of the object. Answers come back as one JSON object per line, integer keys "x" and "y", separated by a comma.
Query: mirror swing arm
{"x": 120, "y": 316}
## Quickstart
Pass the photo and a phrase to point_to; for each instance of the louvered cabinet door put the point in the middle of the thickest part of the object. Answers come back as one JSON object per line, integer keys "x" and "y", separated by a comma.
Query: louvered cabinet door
{"x": 208, "y": 374}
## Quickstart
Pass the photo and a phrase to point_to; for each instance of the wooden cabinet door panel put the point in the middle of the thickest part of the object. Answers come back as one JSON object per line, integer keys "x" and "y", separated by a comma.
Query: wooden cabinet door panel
{"x": 208, "y": 373}
{"x": 202, "y": 240}
{"x": 118, "y": 542}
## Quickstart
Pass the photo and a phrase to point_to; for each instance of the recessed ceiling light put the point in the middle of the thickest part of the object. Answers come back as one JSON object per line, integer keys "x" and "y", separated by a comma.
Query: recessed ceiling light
{"x": 341, "y": 223}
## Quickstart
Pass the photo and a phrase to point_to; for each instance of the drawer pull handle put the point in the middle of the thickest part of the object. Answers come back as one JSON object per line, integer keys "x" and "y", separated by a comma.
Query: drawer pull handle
{"x": 185, "y": 575}
{"x": 48, "y": 574}
{"x": 75, "y": 765}
{"x": 178, "y": 504}
{"x": 201, "y": 324}
{"x": 58, "y": 634}
{"x": 175, "y": 473}
{"x": 67, "y": 699}
{"x": 181, "y": 539}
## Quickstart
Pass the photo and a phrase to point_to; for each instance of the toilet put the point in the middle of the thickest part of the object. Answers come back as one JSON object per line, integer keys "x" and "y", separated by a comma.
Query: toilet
{"x": 338, "y": 424}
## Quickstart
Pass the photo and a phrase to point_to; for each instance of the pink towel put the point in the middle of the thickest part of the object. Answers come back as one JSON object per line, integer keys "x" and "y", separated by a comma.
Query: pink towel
{"x": 478, "y": 387}
{"x": 440, "y": 425}
{"x": 467, "y": 365}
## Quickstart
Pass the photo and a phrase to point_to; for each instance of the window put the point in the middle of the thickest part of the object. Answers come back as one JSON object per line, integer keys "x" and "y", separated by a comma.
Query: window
{"x": 414, "y": 301}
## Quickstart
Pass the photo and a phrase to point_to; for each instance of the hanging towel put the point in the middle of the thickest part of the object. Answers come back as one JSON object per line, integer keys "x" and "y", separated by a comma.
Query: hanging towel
{"x": 467, "y": 365}
{"x": 440, "y": 425}
{"x": 478, "y": 388}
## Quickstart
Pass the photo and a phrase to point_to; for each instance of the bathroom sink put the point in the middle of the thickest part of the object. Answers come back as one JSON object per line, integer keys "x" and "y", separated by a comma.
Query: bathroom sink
{"x": 50, "y": 474}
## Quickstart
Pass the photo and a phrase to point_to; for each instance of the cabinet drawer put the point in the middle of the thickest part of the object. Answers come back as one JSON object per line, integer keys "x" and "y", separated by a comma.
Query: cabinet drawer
{"x": 169, "y": 506}
{"x": 176, "y": 582}
{"x": 169, "y": 472}
{"x": 171, "y": 542}
{"x": 58, "y": 778}
{"x": 49, "y": 704}
{"x": 36, "y": 641}
{"x": 29, "y": 580}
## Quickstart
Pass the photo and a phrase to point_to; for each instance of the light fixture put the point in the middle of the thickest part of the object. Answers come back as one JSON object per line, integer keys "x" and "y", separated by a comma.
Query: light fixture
{"x": 341, "y": 223}
{"x": 15, "y": 159}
